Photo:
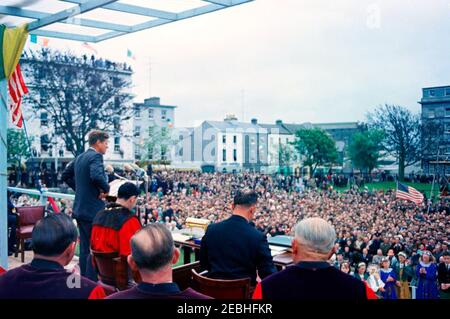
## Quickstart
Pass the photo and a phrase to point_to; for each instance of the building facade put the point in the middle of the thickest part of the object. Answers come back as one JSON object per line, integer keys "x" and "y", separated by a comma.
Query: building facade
{"x": 48, "y": 146}
{"x": 153, "y": 125}
{"x": 233, "y": 146}
{"x": 435, "y": 104}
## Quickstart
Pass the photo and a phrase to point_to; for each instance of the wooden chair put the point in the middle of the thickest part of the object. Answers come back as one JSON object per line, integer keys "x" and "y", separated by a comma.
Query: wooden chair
{"x": 182, "y": 275}
{"x": 27, "y": 217}
{"x": 112, "y": 270}
{"x": 221, "y": 289}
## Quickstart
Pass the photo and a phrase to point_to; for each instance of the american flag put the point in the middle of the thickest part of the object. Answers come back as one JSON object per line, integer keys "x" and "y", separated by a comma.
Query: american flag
{"x": 409, "y": 193}
{"x": 17, "y": 89}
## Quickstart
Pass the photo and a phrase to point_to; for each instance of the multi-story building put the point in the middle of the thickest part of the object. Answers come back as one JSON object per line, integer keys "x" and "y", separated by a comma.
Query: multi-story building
{"x": 48, "y": 146}
{"x": 341, "y": 132}
{"x": 153, "y": 125}
{"x": 233, "y": 146}
{"x": 227, "y": 146}
{"x": 435, "y": 104}
{"x": 279, "y": 139}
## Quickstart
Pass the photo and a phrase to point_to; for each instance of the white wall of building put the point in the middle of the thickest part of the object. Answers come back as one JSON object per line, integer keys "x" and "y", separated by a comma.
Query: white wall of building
{"x": 230, "y": 147}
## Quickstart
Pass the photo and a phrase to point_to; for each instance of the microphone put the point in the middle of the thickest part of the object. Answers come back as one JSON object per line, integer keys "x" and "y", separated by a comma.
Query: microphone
{"x": 140, "y": 172}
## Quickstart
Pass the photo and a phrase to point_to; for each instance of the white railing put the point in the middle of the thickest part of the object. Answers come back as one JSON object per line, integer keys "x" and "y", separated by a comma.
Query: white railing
{"x": 43, "y": 195}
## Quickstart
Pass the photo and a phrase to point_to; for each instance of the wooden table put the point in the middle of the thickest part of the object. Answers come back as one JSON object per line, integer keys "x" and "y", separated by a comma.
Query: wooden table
{"x": 281, "y": 261}
{"x": 187, "y": 247}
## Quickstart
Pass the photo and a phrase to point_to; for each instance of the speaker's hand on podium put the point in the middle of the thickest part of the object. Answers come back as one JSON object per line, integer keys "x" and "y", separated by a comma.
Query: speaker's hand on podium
{"x": 102, "y": 195}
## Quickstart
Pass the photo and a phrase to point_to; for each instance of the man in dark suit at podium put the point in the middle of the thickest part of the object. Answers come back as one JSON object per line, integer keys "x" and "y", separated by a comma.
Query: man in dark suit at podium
{"x": 86, "y": 176}
{"x": 233, "y": 248}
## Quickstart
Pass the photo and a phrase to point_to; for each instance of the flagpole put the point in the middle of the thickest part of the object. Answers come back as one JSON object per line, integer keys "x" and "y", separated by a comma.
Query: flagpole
{"x": 3, "y": 177}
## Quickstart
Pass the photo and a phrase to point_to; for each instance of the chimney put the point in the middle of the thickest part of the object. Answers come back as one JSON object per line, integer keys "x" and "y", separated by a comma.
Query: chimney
{"x": 254, "y": 121}
{"x": 278, "y": 122}
{"x": 230, "y": 118}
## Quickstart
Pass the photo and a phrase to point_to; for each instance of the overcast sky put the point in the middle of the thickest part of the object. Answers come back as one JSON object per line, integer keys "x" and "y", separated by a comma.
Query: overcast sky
{"x": 295, "y": 60}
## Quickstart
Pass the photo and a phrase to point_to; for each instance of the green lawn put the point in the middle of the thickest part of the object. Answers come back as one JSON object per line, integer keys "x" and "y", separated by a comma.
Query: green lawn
{"x": 393, "y": 185}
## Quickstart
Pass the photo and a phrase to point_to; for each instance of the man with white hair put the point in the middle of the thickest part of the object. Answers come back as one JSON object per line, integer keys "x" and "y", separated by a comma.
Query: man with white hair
{"x": 312, "y": 276}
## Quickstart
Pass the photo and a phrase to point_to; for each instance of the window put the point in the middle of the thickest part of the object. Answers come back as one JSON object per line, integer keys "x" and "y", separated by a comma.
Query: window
{"x": 224, "y": 139}
{"x": 235, "y": 155}
{"x": 151, "y": 131}
{"x": 224, "y": 155}
{"x": 447, "y": 112}
{"x": 234, "y": 139}
{"x": 431, "y": 114}
{"x": 431, "y": 93}
{"x": 43, "y": 97}
{"x": 116, "y": 143}
{"x": 163, "y": 115}
{"x": 447, "y": 128}
{"x": 150, "y": 153}
{"x": 137, "y": 112}
{"x": 180, "y": 152}
{"x": 447, "y": 92}
{"x": 163, "y": 153}
{"x": 117, "y": 102}
{"x": 151, "y": 114}
{"x": 45, "y": 142}
{"x": 137, "y": 153}
{"x": 137, "y": 131}
{"x": 44, "y": 118}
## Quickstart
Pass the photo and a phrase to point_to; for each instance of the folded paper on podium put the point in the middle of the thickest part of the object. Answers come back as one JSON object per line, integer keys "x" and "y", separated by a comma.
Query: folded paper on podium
{"x": 115, "y": 184}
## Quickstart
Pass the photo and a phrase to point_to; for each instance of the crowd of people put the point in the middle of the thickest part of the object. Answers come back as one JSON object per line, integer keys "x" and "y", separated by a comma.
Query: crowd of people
{"x": 92, "y": 60}
{"x": 389, "y": 244}
{"x": 371, "y": 226}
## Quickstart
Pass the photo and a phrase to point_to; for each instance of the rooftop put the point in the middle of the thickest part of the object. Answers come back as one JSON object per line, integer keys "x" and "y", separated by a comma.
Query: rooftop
{"x": 155, "y": 102}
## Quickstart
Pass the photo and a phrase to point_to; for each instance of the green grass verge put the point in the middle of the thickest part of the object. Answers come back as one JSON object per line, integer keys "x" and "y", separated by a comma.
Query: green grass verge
{"x": 393, "y": 185}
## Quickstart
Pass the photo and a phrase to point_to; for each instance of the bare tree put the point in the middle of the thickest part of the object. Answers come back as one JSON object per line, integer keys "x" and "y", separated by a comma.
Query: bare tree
{"x": 402, "y": 131}
{"x": 79, "y": 94}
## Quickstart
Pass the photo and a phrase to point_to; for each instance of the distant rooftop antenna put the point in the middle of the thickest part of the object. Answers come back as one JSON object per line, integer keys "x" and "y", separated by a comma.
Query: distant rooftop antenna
{"x": 149, "y": 76}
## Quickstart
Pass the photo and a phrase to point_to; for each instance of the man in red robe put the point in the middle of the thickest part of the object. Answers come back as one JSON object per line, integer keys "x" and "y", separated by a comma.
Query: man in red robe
{"x": 114, "y": 226}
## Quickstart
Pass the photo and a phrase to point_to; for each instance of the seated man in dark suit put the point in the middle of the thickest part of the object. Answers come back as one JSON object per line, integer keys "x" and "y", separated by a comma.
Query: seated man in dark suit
{"x": 312, "y": 276}
{"x": 12, "y": 224}
{"x": 54, "y": 239}
{"x": 234, "y": 249}
{"x": 152, "y": 254}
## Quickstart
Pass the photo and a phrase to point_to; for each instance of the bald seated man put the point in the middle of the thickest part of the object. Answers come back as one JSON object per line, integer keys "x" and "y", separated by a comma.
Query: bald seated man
{"x": 312, "y": 276}
{"x": 152, "y": 254}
